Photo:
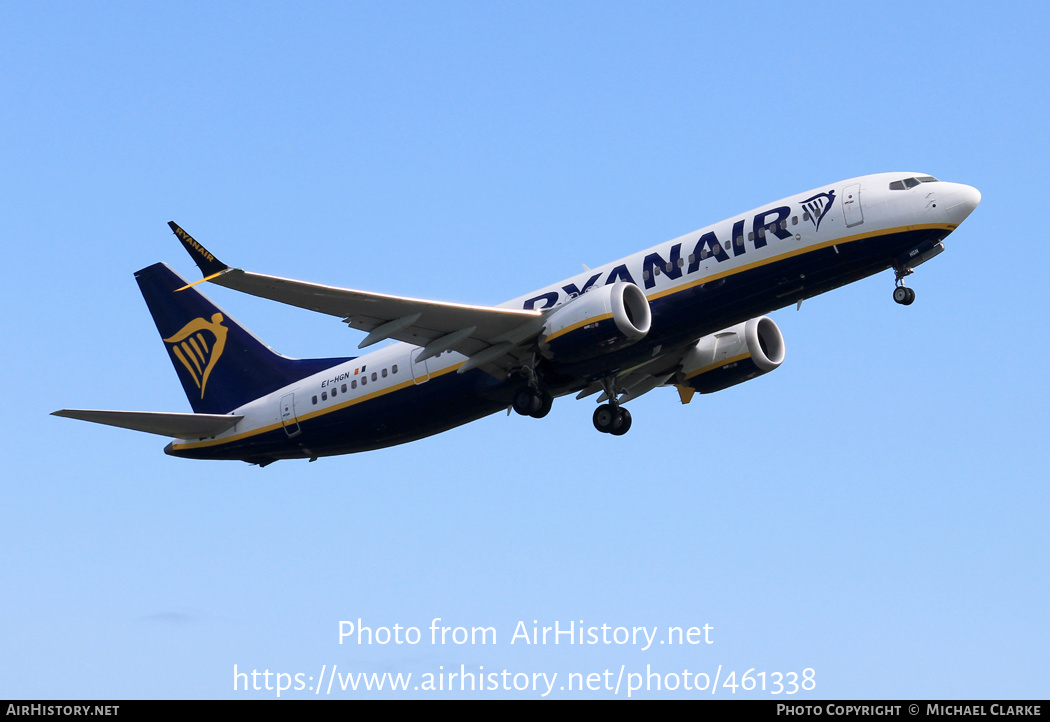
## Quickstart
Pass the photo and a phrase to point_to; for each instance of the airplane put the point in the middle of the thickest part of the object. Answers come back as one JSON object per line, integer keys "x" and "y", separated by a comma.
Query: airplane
{"x": 688, "y": 314}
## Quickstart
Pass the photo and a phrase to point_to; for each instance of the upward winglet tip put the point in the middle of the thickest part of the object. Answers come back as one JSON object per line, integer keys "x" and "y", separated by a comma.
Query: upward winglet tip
{"x": 205, "y": 259}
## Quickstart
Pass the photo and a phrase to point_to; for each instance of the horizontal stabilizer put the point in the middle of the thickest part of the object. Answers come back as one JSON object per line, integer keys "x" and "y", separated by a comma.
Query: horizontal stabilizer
{"x": 182, "y": 426}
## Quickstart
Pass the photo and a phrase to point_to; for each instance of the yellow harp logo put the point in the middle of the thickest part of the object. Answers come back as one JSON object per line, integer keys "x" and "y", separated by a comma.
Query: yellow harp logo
{"x": 191, "y": 347}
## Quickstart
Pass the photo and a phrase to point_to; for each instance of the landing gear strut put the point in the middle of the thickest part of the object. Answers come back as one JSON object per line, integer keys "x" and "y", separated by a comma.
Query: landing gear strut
{"x": 610, "y": 418}
{"x": 905, "y": 264}
{"x": 902, "y": 294}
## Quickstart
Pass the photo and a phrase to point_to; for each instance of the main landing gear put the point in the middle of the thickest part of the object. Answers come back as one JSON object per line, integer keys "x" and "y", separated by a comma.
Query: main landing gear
{"x": 533, "y": 402}
{"x": 530, "y": 399}
{"x": 610, "y": 418}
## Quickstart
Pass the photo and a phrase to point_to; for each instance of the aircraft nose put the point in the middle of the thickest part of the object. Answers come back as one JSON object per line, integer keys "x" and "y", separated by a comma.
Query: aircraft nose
{"x": 960, "y": 201}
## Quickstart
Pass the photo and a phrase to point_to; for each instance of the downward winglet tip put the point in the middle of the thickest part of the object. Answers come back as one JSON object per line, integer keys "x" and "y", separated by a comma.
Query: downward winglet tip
{"x": 205, "y": 259}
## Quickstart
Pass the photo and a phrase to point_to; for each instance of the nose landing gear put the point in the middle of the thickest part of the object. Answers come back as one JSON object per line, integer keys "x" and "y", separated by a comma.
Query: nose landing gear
{"x": 905, "y": 264}
{"x": 903, "y": 295}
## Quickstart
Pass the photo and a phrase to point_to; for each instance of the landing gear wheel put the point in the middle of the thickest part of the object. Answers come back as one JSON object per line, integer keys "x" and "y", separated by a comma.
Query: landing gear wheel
{"x": 621, "y": 428}
{"x": 604, "y": 418}
{"x": 903, "y": 295}
{"x": 526, "y": 402}
{"x": 610, "y": 419}
{"x": 536, "y": 404}
{"x": 544, "y": 401}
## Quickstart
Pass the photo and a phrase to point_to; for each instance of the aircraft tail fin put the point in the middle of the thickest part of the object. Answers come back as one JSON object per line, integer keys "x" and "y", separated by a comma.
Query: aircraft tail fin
{"x": 220, "y": 363}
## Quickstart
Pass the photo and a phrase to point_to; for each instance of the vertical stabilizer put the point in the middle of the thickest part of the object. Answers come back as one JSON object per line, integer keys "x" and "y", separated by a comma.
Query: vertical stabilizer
{"x": 220, "y": 363}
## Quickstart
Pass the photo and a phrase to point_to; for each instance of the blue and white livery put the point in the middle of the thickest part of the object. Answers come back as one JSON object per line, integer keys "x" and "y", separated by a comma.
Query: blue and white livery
{"x": 687, "y": 314}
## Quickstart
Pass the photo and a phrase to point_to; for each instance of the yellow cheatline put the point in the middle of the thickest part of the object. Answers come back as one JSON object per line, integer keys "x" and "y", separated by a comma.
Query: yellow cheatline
{"x": 792, "y": 254}
{"x": 568, "y": 329}
{"x": 707, "y": 279}
{"x": 719, "y": 364}
{"x": 312, "y": 414}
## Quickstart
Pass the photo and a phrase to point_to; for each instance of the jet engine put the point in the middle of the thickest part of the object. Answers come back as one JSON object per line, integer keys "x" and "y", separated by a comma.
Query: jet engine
{"x": 602, "y": 320}
{"x": 732, "y": 356}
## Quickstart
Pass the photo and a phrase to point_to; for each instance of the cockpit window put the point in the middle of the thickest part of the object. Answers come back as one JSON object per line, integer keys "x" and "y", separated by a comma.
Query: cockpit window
{"x": 900, "y": 185}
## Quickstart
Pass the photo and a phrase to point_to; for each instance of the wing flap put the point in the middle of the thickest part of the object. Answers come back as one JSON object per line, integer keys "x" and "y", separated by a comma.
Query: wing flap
{"x": 181, "y": 426}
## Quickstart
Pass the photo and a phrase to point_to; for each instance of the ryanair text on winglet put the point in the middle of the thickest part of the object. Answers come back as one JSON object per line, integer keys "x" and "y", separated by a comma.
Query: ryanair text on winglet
{"x": 189, "y": 240}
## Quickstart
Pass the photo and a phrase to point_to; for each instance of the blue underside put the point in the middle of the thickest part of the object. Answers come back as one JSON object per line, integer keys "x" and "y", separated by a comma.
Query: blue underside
{"x": 678, "y": 320}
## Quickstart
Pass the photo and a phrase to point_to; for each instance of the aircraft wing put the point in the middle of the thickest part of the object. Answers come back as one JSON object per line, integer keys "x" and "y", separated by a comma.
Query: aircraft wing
{"x": 484, "y": 333}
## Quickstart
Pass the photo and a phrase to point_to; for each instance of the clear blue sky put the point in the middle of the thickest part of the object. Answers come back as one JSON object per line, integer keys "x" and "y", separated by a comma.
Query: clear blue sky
{"x": 875, "y": 510}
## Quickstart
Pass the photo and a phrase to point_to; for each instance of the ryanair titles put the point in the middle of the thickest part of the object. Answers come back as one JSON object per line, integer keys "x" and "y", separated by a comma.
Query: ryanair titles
{"x": 191, "y": 242}
{"x": 772, "y": 222}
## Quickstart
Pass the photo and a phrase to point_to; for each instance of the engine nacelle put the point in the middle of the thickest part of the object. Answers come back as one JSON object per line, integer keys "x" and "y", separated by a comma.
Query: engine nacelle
{"x": 602, "y": 320}
{"x": 729, "y": 357}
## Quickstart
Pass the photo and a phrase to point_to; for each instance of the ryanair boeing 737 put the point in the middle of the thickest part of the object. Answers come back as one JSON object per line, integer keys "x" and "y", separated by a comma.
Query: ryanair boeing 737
{"x": 686, "y": 314}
